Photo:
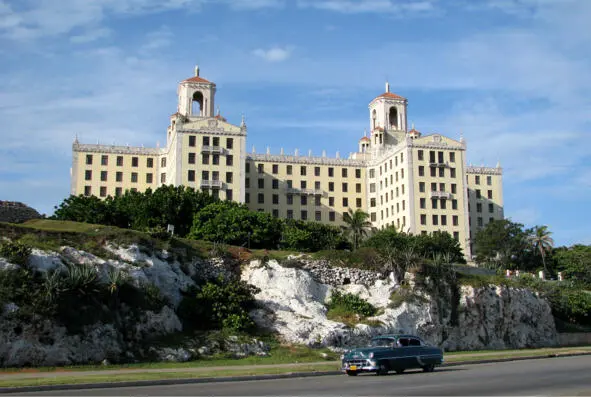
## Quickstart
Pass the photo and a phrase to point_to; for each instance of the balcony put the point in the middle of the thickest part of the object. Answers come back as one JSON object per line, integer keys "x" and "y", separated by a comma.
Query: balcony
{"x": 213, "y": 150}
{"x": 441, "y": 195}
{"x": 212, "y": 184}
{"x": 438, "y": 164}
{"x": 311, "y": 192}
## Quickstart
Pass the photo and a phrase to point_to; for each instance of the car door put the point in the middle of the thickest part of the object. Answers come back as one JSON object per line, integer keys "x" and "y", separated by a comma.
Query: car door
{"x": 415, "y": 350}
{"x": 404, "y": 355}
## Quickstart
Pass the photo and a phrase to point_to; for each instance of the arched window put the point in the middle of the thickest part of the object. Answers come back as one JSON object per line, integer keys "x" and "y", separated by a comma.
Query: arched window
{"x": 197, "y": 104}
{"x": 373, "y": 117}
{"x": 393, "y": 116}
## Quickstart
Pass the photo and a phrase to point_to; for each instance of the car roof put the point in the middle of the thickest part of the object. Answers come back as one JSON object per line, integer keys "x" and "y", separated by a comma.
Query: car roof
{"x": 395, "y": 336}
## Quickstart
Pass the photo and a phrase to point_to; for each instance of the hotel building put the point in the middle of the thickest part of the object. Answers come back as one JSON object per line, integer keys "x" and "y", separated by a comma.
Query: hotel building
{"x": 418, "y": 183}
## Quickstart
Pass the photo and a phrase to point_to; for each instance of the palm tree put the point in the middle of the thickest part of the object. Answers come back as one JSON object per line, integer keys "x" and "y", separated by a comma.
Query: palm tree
{"x": 542, "y": 242}
{"x": 356, "y": 226}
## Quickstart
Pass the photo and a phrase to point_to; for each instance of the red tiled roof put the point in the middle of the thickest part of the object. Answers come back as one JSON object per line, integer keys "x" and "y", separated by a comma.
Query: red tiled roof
{"x": 365, "y": 139}
{"x": 378, "y": 129}
{"x": 389, "y": 95}
{"x": 220, "y": 117}
{"x": 413, "y": 131}
{"x": 196, "y": 79}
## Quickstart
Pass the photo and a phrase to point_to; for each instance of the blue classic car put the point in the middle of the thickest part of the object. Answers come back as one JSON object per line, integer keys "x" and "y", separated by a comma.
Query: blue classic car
{"x": 392, "y": 353}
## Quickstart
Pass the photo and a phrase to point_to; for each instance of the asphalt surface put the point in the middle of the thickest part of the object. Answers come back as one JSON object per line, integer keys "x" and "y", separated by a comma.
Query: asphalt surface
{"x": 568, "y": 376}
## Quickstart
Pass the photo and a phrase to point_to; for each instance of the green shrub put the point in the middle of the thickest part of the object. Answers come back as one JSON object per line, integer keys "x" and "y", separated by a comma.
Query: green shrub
{"x": 351, "y": 303}
{"x": 15, "y": 252}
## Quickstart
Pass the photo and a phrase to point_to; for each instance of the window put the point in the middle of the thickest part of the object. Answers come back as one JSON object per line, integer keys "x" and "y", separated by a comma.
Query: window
{"x": 104, "y": 159}
{"x": 119, "y": 176}
{"x": 434, "y": 203}
{"x": 304, "y": 200}
{"x": 345, "y": 187}
{"x": 331, "y": 186}
{"x": 103, "y": 176}
{"x": 345, "y": 202}
{"x": 89, "y": 159}
{"x": 442, "y": 187}
{"x": 401, "y": 158}
{"x": 457, "y": 236}
{"x": 423, "y": 219}
{"x": 288, "y": 170}
{"x": 373, "y": 216}
{"x": 452, "y": 172}
{"x": 149, "y": 177}
{"x": 490, "y": 220}
{"x": 358, "y": 187}
{"x": 344, "y": 172}
{"x": 433, "y": 187}
{"x": 205, "y": 141}
{"x": 303, "y": 170}
{"x": 478, "y": 194}
{"x": 205, "y": 175}
{"x": 229, "y": 194}
{"x": 275, "y": 168}
{"x": 358, "y": 202}
{"x": 215, "y": 159}
{"x": 317, "y": 185}
{"x": 275, "y": 199}
{"x": 261, "y": 183}
{"x": 442, "y": 172}
{"x": 489, "y": 180}
{"x": 163, "y": 177}
{"x": 330, "y": 172}
{"x": 290, "y": 199}
{"x": 316, "y": 171}
{"x": 289, "y": 183}
{"x": 477, "y": 179}
{"x": 454, "y": 204}
{"x": 275, "y": 184}
{"x": 372, "y": 187}
{"x": 120, "y": 161}
{"x": 230, "y": 160}
{"x": 229, "y": 143}
{"x": 420, "y": 154}
{"x": 443, "y": 204}
{"x": 247, "y": 167}
{"x": 87, "y": 191}
{"x": 191, "y": 158}
{"x": 303, "y": 185}
{"x": 88, "y": 175}
{"x": 261, "y": 168}
{"x": 229, "y": 177}
{"x": 402, "y": 189}
{"x": 455, "y": 220}
{"x": 150, "y": 162}
{"x": 491, "y": 208}
{"x": 247, "y": 183}
{"x": 190, "y": 176}
{"x": 357, "y": 173}
{"x": 452, "y": 157}
{"x": 423, "y": 203}
{"x": 275, "y": 213}
{"x": 216, "y": 141}
{"x": 317, "y": 201}
{"x": 318, "y": 216}
{"x": 478, "y": 207}
{"x": 421, "y": 170}
{"x": 372, "y": 173}
{"x": 331, "y": 216}
{"x": 134, "y": 161}
{"x": 289, "y": 214}
{"x": 422, "y": 187}
{"x": 205, "y": 159}
{"x": 479, "y": 221}
{"x": 247, "y": 198}
{"x": 489, "y": 194}
{"x": 331, "y": 201}
{"x": 192, "y": 140}
{"x": 443, "y": 220}
{"x": 433, "y": 171}
{"x": 431, "y": 156}
{"x": 261, "y": 198}
{"x": 118, "y": 191}
{"x": 103, "y": 191}
{"x": 454, "y": 188}
{"x": 435, "y": 220}
{"x": 134, "y": 177}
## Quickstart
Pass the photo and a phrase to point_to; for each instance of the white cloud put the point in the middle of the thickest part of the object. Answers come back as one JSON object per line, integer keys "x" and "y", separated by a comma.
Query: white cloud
{"x": 91, "y": 35}
{"x": 274, "y": 54}
{"x": 371, "y": 6}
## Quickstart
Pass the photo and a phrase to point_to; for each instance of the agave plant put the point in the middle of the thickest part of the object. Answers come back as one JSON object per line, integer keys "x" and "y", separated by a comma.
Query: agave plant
{"x": 115, "y": 279}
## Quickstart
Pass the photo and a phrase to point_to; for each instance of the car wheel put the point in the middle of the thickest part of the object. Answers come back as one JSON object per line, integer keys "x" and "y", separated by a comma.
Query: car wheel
{"x": 399, "y": 371}
{"x": 429, "y": 368}
{"x": 383, "y": 369}
{"x": 352, "y": 373}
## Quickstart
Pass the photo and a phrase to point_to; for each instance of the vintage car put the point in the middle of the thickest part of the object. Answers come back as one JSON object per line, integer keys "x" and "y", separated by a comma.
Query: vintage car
{"x": 392, "y": 353}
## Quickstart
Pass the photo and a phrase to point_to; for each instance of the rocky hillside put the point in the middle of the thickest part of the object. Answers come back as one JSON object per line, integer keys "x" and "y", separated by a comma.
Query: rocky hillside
{"x": 15, "y": 212}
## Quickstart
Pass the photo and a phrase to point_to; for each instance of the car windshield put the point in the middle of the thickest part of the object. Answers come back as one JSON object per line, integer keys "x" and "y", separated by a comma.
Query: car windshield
{"x": 382, "y": 342}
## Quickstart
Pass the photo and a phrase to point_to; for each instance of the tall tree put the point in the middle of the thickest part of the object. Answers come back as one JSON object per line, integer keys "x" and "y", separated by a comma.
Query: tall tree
{"x": 356, "y": 226}
{"x": 504, "y": 242}
{"x": 541, "y": 242}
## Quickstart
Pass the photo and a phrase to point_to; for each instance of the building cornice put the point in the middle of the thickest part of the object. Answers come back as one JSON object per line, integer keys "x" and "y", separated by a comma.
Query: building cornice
{"x": 305, "y": 160}
{"x": 93, "y": 148}
{"x": 484, "y": 170}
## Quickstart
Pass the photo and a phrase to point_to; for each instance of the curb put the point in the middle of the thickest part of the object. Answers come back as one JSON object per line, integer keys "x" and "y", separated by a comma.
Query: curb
{"x": 179, "y": 381}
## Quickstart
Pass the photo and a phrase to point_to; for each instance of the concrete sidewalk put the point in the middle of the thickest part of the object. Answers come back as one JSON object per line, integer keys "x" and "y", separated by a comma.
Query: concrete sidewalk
{"x": 60, "y": 372}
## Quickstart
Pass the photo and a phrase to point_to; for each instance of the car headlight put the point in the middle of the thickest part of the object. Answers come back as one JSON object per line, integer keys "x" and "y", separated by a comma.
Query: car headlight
{"x": 342, "y": 356}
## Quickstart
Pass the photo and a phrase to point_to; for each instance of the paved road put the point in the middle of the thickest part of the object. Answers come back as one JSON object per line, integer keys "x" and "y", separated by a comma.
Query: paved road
{"x": 569, "y": 376}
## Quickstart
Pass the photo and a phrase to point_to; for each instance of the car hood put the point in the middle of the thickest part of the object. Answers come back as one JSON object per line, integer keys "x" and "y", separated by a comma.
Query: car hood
{"x": 363, "y": 352}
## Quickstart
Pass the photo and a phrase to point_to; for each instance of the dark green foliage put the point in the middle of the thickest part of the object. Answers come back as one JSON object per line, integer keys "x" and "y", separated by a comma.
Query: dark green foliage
{"x": 366, "y": 258}
{"x": 575, "y": 262}
{"x": 311, "y": 236}
{"x": 233, "y": 223}
{"x": 572, "y": 305}
{"x": 173, "y": 205}
{"x": 15, "y": 252}
{"x": 351, "y": 303}
{"x": 220, "y": 304}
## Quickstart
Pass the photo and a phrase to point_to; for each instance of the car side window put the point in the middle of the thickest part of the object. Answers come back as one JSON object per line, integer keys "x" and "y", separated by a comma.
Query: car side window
{"x": 402, "y": 342}
{"x": 414, "y": 342}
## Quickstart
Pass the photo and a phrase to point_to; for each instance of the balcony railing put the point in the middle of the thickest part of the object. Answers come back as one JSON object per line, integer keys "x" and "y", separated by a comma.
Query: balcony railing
{"x": 213, "y": 149}
{"x": 312, "y": 192}
{"x": 212, "y": 184}
{"x": 438, "y": 164}
{"x": 441, "y": 195}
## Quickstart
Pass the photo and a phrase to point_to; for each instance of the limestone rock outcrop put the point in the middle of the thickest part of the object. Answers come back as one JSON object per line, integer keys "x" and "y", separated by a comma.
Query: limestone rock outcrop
{"x": 16, "y": 212}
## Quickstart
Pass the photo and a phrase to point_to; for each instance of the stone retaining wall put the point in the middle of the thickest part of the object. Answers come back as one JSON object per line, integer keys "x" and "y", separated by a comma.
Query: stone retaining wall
{"x": 574, "y": 339}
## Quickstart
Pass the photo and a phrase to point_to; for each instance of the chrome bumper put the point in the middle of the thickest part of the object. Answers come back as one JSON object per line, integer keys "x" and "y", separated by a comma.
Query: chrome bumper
{"x": 366, "y": 366}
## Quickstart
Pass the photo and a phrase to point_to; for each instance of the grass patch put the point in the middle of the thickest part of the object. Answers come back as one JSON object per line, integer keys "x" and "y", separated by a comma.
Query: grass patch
{"x": 365, "y": 258}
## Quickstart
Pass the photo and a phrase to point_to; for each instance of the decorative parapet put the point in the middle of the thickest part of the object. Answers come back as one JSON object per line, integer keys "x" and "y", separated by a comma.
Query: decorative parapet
{"x": 82, "y": 147}
{"x": 484, "y": 170}
{"x": 273, "y": 158}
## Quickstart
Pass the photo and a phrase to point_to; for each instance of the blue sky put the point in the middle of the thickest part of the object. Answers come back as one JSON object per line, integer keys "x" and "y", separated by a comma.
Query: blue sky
{"x": 511, "y": 75}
